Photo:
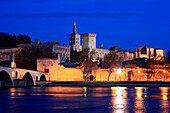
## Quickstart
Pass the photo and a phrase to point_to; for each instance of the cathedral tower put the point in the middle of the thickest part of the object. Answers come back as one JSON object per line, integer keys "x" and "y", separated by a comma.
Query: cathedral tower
{"x": 75, "y": 40}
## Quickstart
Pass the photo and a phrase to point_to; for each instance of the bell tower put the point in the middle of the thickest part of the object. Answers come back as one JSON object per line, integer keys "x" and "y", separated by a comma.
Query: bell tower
{"x": 74, "y": 40}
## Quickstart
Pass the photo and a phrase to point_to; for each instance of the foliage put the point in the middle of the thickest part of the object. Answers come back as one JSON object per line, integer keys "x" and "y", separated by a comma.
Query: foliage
{"x": 7, "y": 40}
{"x": 87, "y": 60}
{"x": 26, "y": 57}
{"x": 111, "y": 61}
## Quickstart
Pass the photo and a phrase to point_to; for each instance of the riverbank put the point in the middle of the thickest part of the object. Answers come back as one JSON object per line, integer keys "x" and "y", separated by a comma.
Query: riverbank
{"x": 106, "y": 84}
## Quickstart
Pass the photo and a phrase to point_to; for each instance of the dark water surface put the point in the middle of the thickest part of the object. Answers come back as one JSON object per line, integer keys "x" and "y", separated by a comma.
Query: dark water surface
{"x": 85, "y": 100}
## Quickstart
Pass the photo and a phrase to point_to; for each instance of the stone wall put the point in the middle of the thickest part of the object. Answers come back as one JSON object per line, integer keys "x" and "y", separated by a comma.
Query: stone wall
{"x": 132, "y": 74}
{"x": 67, "y": 74}
{"x": 56, "y": 72}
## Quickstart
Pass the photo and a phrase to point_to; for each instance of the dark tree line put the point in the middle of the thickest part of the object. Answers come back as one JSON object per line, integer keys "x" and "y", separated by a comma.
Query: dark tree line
{"x": 7, "y": 40}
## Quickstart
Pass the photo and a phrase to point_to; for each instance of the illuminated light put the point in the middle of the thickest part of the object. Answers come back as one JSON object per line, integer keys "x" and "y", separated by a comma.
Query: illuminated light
{"x": 145, "y": 75}
{"x": 114, "y": 69}
{"x": 139, "y": 71}
{"x": 119, "y": 71}
{"x": 19, "y": 74}
{"x": 145, "y": 96}
{"x": 145, "y": 89}
{"x": 139, "y": 92}
{"x": 118, "y": 102}
{"x": 165, "y": 97}
{"x": 164, "y": 93}
{"x": 13, "y": 64}
{"x": 164, "y": 71}
{"x": 85, "y": 91}
{"x": 12, "y": 73}
{"x": 119, "y": 91}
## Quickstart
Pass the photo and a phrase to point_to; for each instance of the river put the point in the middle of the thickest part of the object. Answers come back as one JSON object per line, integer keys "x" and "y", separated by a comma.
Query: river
{"x": 85, "y": 100}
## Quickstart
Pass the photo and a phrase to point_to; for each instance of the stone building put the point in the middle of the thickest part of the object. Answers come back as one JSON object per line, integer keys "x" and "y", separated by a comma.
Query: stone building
{"x": 89, "y": 42}
{"x": 149, "y": 53}
{"x": 54, "y": 46}
{"x": 57, "y": 72}
{"x": 7, "y": 56}
{"x": 63, "y": 50}
{"x": 7, "y": 53}
{"x": 75, "y": 40}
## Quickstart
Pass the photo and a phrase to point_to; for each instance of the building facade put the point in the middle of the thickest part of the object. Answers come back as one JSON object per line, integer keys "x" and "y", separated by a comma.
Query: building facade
{"x": 75, "y": 40}
{"x": 89, "y": 42}
{"x": 150, "y": 53}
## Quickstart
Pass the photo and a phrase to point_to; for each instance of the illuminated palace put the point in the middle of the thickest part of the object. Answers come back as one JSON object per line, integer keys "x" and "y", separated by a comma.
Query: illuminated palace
{"x": 88, "y": 41}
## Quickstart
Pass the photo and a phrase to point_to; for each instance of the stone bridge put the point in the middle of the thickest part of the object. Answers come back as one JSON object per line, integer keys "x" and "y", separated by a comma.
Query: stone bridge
{"x": 13, "y": 77}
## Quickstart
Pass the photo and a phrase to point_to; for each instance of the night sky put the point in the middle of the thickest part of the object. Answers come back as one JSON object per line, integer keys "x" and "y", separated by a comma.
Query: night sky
{"x": 124, "y": 23}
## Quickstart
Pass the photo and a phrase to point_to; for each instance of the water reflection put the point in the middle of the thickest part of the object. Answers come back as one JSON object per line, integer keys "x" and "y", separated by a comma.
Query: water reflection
{"x": 139, "y": 102}
{"x": 110, "y": 99}
{"x": 164, "y": 101}
{"x": 118, "y": 100}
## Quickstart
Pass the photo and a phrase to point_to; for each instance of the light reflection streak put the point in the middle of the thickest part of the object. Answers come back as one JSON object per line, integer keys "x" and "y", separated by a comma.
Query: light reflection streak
{"x": 118, "y": 99}
{"x": 139, "y": 102}
{"x": 85, "y": 91}
{"x": 164, "y": 101}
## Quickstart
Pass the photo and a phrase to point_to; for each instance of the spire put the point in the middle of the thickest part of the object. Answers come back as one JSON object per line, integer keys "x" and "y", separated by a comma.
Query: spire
{"x": 74, "y": 23}
{"x": 74, "y": 28}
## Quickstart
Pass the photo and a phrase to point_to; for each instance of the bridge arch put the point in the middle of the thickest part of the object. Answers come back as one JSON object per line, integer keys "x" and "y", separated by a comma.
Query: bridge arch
{"x": 42, "y": 78}
{"x": 29, "y": 80}
{"x": 5, "y": 79}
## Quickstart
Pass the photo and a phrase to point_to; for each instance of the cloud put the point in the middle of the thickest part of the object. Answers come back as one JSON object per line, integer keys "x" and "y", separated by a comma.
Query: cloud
{"x": 66, "y": 15}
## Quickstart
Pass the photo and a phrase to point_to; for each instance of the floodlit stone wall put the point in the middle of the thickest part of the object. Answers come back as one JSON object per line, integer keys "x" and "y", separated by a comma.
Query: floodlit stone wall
{"x": 67, "y": 74}
{"x": 56, "y": 72}
{"x": 132, "y": 74}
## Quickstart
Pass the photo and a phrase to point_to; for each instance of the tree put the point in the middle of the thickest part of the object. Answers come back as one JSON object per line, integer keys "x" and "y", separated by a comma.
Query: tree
{"x": 7, "y": 40}
{"x": 27, "y": 39}
{"x": 111, "y": 61}
{"x": 20, "y": 39}
{"x": 88, "y": 63}
{"x": 26, "y": 57}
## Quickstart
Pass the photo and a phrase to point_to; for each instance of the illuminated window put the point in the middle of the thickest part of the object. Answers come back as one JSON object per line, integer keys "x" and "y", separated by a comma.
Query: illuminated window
{"x": 12, "y": 73}
{"x": 19, "y": 74}
{"x": 13, "y": 64}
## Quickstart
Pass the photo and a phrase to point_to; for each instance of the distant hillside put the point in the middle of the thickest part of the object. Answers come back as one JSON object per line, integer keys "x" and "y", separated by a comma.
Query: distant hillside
{"x": 7, "y": 40}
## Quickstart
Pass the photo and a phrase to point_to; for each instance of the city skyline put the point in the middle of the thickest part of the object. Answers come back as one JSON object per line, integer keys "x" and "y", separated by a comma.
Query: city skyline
{"x": 127, "y": 24}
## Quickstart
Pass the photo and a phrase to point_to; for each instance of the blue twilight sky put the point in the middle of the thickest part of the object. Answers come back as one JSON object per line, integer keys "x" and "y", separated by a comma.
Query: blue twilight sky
{"x": 124, "y": 23}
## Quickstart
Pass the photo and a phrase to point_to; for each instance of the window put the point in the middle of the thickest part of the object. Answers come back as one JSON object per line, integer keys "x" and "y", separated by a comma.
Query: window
{"x": 46, "y": 70}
